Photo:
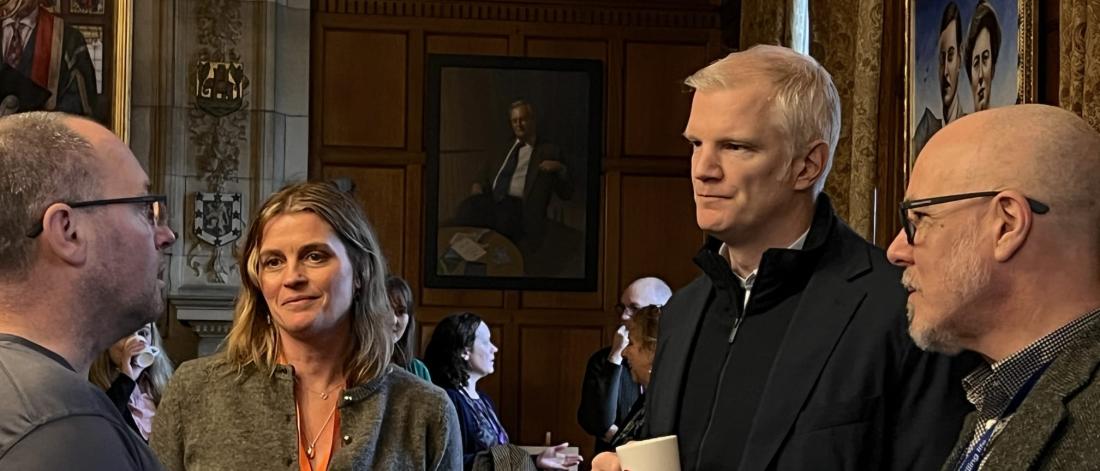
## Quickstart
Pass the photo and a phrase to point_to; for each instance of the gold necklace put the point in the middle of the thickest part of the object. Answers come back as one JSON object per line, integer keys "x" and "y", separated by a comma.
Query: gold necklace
{"x": 324, "y": 395}
{"x": 310, "y": 450}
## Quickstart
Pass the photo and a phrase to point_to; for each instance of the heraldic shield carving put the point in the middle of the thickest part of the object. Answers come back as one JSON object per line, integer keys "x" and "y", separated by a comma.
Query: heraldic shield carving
{"x": 218, "y": 217}
{"x": 220, "y": 87}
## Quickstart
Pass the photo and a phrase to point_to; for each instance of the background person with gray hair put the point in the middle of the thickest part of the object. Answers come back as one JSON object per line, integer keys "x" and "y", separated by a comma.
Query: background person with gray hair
{"x": 80, "y": 240}
{"x": 609, "y": 392}
{"x": 790, "y": 352}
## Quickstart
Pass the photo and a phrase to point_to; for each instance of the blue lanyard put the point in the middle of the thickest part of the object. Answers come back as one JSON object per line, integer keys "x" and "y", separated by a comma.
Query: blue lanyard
{"x": 976, "y": 453}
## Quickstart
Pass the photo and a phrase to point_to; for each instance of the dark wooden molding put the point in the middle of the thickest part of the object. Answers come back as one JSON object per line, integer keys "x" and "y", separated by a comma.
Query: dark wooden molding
{"x": 891, "y": 178}
{"x": 655, "y": 15}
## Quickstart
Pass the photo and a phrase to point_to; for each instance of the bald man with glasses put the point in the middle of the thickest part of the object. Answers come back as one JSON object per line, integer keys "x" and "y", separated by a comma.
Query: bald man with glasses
{"x": 608, "y": 391}
{"x": 81, "y": 241}
{"x": 1001, "y": 249}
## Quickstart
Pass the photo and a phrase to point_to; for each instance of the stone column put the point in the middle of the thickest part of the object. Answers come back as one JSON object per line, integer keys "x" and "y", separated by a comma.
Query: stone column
{"x": 187, "y": 149}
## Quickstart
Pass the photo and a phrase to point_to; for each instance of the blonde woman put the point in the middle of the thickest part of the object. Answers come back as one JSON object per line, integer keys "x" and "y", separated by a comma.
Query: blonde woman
{"x": 305, "y": 380}
{"x": 134, "y": 372}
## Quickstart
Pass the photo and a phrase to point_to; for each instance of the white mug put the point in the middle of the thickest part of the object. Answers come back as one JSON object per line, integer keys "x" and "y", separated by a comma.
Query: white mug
{"x": 655, "y": 454}
{"x": 145, "y": 357}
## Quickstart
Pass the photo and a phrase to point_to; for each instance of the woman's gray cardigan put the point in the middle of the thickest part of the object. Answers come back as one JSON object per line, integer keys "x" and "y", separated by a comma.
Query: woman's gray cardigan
{"x": 211, "y": 418}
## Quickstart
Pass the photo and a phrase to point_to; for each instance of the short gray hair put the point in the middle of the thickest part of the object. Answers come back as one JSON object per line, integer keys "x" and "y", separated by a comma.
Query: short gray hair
{"x": 521, "y": 103}
{"x": 806, "y": 100}
{"x": 42, "y": 161}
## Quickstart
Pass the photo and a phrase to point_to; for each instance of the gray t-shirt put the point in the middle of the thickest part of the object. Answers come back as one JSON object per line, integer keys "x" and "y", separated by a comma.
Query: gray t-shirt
{"x": 51, "y": 418}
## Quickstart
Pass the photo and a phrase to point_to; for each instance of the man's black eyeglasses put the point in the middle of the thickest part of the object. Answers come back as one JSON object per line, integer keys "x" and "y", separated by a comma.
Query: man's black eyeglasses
{"x": 157, "y": 209}
{"x": 910, "y": 226}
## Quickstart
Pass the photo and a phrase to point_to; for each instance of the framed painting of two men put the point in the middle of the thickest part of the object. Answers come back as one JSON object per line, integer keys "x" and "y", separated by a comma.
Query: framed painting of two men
{"x": 966, "y": 56}
{"x": 512, "y": 194}
{"x": 66, "y": 55}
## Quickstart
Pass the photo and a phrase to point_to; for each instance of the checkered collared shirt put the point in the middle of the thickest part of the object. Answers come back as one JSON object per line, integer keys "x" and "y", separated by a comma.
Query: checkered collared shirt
{"x": 991, "y": 388}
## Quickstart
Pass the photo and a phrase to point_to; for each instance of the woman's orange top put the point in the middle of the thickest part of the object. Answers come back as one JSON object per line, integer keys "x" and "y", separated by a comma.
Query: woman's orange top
{"x": 323, "y": 456}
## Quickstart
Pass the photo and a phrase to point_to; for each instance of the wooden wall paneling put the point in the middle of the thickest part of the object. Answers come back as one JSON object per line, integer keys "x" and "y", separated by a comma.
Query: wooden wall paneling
{"x": 480, "y": 44}
{"x": 357, "y": 65}
{"x": 509, "y": 404}
{"x": 414, "y": 217}
{"x": 566, "y": 48}
{"x": 612, "y": 179}
{"x": 652, "y": 80}
{"x": 462, "y": 297}
{"x": 660, "y": 235}
{"x": 544, "y": 338}
{"x": 415, "y": 96}
{"x": 551, "y": 369}
{"x": 612, "y": 253}
{"x": 381, "y": 191}
{"x": 493, "y": 385}
{"x": 890, "y": 184}
{"x": 356, "y": 156}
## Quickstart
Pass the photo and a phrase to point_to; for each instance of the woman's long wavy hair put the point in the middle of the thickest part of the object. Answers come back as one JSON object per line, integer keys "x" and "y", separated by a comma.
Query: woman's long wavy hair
{"x": 405, "y": 347}
{"x": 453, "y": 337}
{"x": 152, "y": 381}
{"x": 253, "y": 339}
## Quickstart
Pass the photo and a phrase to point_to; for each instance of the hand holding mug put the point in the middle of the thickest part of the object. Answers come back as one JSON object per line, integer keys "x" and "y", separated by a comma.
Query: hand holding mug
{"x": 132, "y": 355}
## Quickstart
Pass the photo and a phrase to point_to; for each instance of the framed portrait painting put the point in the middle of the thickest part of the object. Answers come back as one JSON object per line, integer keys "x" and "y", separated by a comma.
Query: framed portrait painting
{"x": 67, "y": 55}
{"x": 965, "y": 56}
{"x": 512, "y": 194}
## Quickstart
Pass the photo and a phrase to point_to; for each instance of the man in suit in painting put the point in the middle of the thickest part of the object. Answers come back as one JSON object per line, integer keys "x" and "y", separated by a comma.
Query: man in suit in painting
{"x": 1001, "y": 250}
{"x": 983, "y": 46}
{"x": 514, "y": 191}
{"x": 791, "y": 350}
{"x": 46, "y": 63}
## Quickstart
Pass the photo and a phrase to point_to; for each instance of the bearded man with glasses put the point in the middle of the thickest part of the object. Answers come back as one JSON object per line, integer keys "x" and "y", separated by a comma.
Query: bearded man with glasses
{"x": 81, "y": 242}
{"x": 1001, "y": 249}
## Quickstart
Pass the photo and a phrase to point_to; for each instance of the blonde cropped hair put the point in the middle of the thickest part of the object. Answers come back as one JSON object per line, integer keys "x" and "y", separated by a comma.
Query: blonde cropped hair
{"x": 807, "y": 104}
{"x": 253, "y": 341}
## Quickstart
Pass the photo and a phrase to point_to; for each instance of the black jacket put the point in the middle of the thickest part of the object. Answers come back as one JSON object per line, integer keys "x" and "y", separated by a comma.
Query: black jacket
{"x": 848, "y": 390}
{"x": 607, "y": 394}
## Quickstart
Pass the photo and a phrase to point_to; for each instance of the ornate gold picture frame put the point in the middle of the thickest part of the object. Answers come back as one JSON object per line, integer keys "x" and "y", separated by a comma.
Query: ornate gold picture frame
{"x": 67, "y": 55}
